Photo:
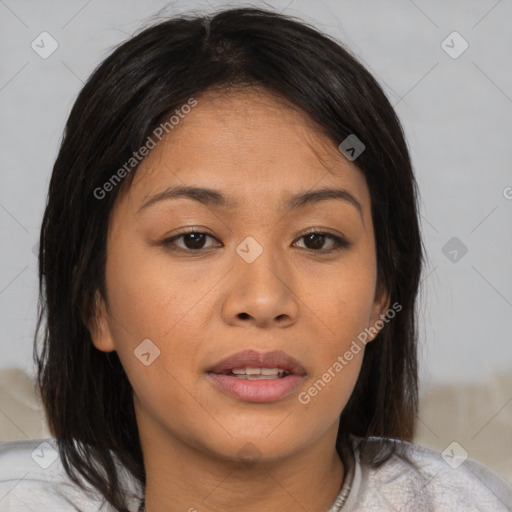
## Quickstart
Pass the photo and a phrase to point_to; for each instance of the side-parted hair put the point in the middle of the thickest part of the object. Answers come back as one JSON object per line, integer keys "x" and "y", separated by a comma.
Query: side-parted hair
{"x": 86, "y": 394}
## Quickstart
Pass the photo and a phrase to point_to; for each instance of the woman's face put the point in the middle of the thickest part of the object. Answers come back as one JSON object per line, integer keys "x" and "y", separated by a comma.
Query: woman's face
{"x": 251, "y": 279}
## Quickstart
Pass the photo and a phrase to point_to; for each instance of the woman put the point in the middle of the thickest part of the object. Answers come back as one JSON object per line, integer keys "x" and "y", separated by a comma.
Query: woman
{"x": 229, "y": 263}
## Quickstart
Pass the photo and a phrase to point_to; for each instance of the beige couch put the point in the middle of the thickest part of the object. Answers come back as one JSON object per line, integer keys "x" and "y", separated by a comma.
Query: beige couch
{"x": 478, "y": 418}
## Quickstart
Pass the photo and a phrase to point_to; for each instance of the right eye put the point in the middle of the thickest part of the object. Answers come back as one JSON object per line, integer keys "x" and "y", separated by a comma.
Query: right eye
{"x": 193, "y": 241}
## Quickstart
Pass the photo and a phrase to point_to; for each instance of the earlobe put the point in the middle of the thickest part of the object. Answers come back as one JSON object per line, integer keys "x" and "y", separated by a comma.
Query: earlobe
{"x": 99, "y": 326}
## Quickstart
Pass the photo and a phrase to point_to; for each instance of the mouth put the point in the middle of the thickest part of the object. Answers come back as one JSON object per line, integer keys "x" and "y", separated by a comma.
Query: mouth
{"x": 252, "y": 376}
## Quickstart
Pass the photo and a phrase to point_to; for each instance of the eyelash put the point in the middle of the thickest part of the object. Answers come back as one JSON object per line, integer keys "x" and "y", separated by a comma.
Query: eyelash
{"x": 340, "y": 243}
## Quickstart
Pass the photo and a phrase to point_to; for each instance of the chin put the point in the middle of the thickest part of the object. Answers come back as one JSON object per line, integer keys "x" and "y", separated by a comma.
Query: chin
{"x": 251, "y": 449}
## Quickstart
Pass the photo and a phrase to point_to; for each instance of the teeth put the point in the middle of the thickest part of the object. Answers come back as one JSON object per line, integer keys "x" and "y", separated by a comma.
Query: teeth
{"x": 262, "y": 377}
{"x": 258, "y": 373}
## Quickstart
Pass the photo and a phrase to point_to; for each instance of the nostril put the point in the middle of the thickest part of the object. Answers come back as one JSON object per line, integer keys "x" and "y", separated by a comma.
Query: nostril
{"x": 243, "y": 316}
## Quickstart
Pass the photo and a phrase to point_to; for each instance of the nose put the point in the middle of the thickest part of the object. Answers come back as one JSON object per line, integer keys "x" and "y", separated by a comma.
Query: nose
{"x": 261, "y": 293}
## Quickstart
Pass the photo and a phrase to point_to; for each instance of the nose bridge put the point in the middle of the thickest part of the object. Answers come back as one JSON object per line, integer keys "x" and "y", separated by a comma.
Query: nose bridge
{"x": 263, "y": 288}
{"x": 260, "y": 264}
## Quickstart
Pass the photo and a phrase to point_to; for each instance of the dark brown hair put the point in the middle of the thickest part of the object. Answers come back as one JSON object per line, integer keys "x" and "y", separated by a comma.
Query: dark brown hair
{"x": 86, "y": 394}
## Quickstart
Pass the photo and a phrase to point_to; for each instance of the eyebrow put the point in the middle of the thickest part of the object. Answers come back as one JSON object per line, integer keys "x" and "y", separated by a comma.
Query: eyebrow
{"x": 212, "y": 197}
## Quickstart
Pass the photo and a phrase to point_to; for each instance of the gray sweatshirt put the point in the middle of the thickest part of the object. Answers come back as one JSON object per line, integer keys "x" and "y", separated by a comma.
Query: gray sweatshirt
{"x": 32, "y": 479}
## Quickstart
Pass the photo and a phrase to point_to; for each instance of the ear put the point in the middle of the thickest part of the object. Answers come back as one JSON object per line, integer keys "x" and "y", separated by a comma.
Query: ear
{"x": 99, "y": 326}
{"x": 380, "y": 307}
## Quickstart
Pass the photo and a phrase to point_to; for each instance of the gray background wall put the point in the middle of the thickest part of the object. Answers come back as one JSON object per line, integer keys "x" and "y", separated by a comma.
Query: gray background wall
{"x": 456, "y": 111}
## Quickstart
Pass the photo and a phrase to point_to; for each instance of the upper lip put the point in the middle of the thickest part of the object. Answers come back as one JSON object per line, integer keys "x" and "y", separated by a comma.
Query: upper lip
{"x": 254, "y": 359}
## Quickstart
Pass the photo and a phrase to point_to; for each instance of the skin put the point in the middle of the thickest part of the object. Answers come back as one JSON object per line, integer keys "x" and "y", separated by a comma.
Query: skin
{"x": 199, "y": 307}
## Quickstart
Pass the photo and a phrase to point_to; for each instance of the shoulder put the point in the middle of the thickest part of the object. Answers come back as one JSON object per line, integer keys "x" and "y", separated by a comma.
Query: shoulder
{"x": 424, "y": 479}
{"x": 32, "y": 478}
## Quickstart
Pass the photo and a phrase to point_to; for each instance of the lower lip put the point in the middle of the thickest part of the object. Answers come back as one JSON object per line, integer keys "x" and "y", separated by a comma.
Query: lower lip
{"x": 265, "y": 390}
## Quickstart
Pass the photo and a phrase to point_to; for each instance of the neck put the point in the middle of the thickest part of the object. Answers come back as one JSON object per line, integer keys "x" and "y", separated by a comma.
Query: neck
{"x": 182, "y": 478}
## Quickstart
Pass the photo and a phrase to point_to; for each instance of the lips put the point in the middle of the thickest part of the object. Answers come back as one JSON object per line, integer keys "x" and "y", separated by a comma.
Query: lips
{"x": 253, "y": 376}
{"x": 253, "y": 359}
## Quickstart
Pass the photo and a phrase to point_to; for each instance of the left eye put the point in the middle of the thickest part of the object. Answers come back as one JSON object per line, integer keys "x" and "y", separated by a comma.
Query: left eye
{"x": 314, "y": 241}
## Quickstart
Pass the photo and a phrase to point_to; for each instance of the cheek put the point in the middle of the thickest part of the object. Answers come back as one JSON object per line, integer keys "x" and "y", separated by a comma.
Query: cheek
{"x": 149, "y": 296}
{"x": 342, "y": 297}
{"x": 345, "y": 308}
{"x": 150, "y": 300}
{"x": 328, "y": 391}
{"x": 148, "y": 305}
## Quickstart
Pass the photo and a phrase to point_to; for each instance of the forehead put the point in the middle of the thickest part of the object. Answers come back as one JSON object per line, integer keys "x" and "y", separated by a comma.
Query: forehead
{"x": 247, "y": 142}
